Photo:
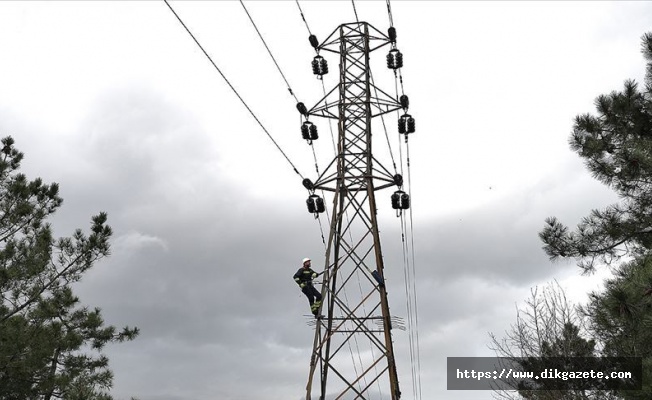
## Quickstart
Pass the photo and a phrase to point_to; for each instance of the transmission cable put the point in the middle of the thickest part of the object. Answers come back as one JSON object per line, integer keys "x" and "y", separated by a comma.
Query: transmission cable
{"x": 389, "y": 12}
{"x": 414, "y": 307}
{"x": 232, "y": 88}
{"x": 414, "y": 287}
{"x": 303, "y": 17}
{"x": 269, "y": 51}
{"x": 411, "y": 272}
{"x": 408, "y": 301}
{"x": 410, "y": 276}
{"x": 355, "y": 11}
{"x": 409, "y": 267}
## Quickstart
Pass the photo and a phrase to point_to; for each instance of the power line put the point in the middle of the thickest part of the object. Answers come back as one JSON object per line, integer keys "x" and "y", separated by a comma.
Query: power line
{"x": 269, "y": 51}
{"x": 414, "y": 286}
{"x": 303, "y": 17}
{"x": 232, "y": 88}
{"x": 408, "y": 301}
{"x": 389, "y": 12}
{"x": 355, "y": 11}
{"x": 409, "y": 269}
{"x": 411, "y": 292}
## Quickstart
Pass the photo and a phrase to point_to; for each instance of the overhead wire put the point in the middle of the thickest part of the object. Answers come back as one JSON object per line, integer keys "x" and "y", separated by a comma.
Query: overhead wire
{"x": 303, "y": 17}
{"x": 407, "y": 279}
{"x": 232, "y": 88}
{"x": 414, "y": 280}
{"x": 407, "y": 239}
{"x": 355, "y": 11}
{"x": 408, "y": 250}
{"x": 407, "y": 275}
{"x": 406, "y": 270}
{"x": 269, "y": 51}
{"x": 389, "y": 12}
{"x": 410, "y": 295}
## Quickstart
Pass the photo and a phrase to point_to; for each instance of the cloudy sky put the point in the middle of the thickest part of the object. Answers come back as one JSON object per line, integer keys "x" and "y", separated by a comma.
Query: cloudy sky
{"x": 114, "y": 101}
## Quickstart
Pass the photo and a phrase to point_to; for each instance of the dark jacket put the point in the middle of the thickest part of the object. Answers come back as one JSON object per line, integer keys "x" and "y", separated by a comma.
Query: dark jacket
{"x": 304, "y": 276}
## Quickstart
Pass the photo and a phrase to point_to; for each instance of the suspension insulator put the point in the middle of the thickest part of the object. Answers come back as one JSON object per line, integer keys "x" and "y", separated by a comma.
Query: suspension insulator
{"x": 402, "y": 123}
{"x": 311, "y": 205}
{"x": 398, "y": 180}
{"x": 302, "y": 109}
{"x": 319, "y": 66}
{"x": 313, "y": 41}
{"x": 319, "y": 202}
{"x": 313, "y": 132}
{"x": 315, "y": 66}
{"x": 391, "y": 32}
{"x": 315, "y": 204}
{"x": 305, "y": 130}
{"x": 405, "y": 201}
{"x": 405, "y": 102}
{"x": 396, "y": 200}
{"x": 411, "y": 126}
{"x": 406, "y": 124}
{"x": 307, "y": 183}
{"x": 394, "y": 59}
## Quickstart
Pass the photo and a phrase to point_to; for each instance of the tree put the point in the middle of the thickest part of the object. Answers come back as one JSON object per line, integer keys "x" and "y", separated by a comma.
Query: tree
{"x": 620, "y": 318}
{"x": 49, "y": 344}
{"x": 617, "y": 148}
{"x": 548, "y": 326}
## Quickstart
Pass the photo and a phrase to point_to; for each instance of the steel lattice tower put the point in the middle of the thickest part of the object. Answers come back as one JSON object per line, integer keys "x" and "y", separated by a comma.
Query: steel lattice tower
{"x": 355, "y": 305}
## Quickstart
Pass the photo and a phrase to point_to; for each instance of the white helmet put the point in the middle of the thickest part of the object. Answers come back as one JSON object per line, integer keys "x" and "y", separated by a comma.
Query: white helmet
{"x": 305, "y": 259}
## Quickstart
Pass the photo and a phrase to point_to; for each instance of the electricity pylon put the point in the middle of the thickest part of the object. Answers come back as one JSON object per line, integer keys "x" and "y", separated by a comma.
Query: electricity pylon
{"x": 353, "y": 356}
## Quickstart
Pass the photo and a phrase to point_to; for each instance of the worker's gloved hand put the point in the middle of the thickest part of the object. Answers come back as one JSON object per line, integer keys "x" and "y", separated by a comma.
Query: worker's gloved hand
{"x": 314, "y": 275}
{"x": 302, "y": 285}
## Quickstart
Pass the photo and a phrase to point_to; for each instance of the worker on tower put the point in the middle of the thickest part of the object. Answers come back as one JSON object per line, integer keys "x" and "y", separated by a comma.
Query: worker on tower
{"x": 303, "y": 278}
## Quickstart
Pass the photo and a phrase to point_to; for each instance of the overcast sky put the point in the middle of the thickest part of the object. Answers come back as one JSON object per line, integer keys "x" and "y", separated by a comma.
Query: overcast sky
{"x": 114, "y": 101}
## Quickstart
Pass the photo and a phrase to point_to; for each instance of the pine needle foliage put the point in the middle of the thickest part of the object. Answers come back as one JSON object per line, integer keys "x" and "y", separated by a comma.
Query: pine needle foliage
{"x": 616, "y": 145}
{"x": 50, "y": 345}
{"x": 620, "y": 318}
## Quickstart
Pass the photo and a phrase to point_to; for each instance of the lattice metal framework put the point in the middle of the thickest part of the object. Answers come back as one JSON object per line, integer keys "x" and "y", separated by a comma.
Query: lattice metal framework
{"x": 353, "y": 355}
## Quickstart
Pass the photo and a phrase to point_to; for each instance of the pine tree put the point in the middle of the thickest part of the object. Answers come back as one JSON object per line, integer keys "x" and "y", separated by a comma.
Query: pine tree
{"x": 617, "y": 148}
{"x": 616, "y": 145}
{"x": 49, "y": 343}
{"x": 620, "y": 318}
